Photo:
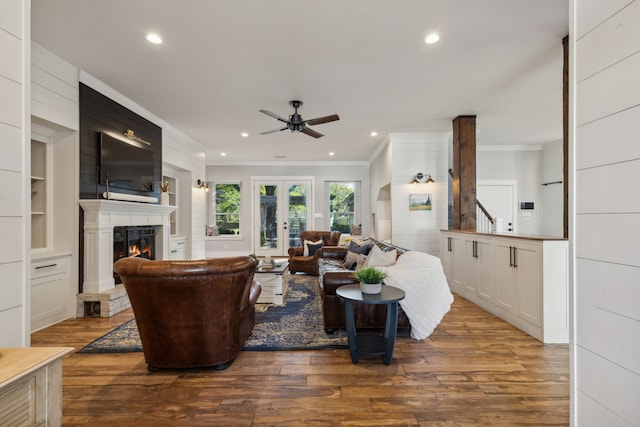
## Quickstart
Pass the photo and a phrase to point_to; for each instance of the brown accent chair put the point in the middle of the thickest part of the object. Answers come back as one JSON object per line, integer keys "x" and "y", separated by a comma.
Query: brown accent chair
{"x": 191, "y": 314}
{"x": 309, "y": 264}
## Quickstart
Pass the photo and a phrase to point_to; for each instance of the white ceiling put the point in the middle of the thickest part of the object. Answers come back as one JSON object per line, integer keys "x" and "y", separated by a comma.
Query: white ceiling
{"x": 366, "y": 60}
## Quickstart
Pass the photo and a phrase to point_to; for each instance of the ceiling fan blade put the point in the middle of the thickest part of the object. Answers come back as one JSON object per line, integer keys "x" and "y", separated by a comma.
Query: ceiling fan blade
{"x": 275, "y": 116}
{"x": 311, "y": 132}
{"x": 321, "y": 120}
{"x": 273, "y": 131}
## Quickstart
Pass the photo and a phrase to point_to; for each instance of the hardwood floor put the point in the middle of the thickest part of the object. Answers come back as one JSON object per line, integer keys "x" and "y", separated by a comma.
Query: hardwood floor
{"x": 474, "y": 370}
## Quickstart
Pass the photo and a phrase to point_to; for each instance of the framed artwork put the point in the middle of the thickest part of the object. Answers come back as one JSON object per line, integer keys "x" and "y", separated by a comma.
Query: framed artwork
{"x": 419, "y": 202}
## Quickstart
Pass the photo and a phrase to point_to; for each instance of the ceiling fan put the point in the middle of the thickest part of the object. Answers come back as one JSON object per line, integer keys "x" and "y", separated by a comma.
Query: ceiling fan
{"x": 295, "y": 123}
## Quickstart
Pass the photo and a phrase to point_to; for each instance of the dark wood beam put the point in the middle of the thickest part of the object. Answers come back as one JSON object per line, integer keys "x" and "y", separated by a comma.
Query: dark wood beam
{"x": 464, "y": 173}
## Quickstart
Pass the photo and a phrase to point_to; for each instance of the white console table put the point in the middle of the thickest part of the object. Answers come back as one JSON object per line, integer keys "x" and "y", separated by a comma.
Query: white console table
{"x": 31, "y": 385}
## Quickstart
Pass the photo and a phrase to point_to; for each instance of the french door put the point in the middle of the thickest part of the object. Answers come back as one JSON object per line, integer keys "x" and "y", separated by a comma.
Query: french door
{"x": 282, "y": 209}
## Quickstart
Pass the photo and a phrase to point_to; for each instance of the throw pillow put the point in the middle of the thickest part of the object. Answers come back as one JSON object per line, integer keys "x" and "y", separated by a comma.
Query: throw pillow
{"x": 356, "y": 230}
{"x": 351, "y": 259}
{"x": 362, "y": 261}
{"x": 363, "y": 248}
{"x": 310, "y": 247}
{"x": 379, "y": 258}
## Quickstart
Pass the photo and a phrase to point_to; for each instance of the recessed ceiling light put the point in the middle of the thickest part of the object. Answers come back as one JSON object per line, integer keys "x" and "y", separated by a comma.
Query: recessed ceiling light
{"x": 331, "y": 153}
{"x": 154, "y": 38}
{"x": 432, "y": 38}
{"x": 223, "y": 154}
{"x": 374, "y": 133}
{"x": 244, "y": 134}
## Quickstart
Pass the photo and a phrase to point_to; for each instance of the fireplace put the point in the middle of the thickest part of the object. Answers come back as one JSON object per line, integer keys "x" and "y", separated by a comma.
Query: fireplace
{"x": 101, "y": 219}
{"x": 139, "y": 241}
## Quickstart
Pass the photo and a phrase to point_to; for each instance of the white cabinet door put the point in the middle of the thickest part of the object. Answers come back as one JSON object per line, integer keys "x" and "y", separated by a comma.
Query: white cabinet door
{"x": 471, "y": 266}
{"x": 178, "y": 248}
{"x": 482, "y": 269}
{"x": 519, "y": 279}
{"x": 506, "y": 296}
{"x": 49, "y": 292}
{"x": 528, "y": 266}
{"x": 455, "y": 261}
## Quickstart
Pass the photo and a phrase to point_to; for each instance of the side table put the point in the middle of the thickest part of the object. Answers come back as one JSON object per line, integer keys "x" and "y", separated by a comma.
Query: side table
{"x": 371, "y": 344}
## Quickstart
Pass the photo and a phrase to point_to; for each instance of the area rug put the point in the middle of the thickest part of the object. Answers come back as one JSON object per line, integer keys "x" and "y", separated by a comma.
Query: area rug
{"x": 297, "y": 325}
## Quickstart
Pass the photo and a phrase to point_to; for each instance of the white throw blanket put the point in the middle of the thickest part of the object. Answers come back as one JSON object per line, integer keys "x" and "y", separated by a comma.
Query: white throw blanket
{"x": 428, "y": 297}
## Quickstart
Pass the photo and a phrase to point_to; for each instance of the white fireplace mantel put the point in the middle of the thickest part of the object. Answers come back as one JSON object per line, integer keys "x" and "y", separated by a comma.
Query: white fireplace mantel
{"x": 100, "y": 217}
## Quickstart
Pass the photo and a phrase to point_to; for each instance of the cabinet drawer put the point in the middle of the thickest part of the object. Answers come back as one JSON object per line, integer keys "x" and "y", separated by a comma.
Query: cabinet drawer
{"x": 178, "y": 243}
{"x": 48, "y": 266}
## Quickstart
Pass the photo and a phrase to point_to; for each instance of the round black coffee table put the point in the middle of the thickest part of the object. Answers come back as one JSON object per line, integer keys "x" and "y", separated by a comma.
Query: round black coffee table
{"x": 371, "y": 344}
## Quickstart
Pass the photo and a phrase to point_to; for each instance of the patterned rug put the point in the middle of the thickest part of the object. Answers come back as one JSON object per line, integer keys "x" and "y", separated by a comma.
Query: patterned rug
{"x": 297, "y": 325}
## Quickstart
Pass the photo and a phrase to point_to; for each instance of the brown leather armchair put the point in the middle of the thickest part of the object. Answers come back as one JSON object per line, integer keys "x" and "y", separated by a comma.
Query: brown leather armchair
{"x": 309, "y": 264}
{"x": 191, "y": 313}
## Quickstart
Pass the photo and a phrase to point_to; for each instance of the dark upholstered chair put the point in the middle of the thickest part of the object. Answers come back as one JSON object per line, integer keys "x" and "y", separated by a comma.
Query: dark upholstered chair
{"x": 309, "y": 264}
{"x": 191, "y": 314}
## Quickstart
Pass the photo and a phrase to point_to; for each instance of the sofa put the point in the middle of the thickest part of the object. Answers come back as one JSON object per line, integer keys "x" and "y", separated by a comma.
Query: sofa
{"x": 301, "y": 263}
{"x": 419, "y": 274}
{"x": 191, "y": 314}
{"x": 333, "y": 274}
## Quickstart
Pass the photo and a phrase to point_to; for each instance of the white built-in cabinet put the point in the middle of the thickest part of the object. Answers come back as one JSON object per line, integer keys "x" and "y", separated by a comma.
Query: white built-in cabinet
{"x": 50, "y": 281}
{"x": 173, "y": 200}
{"x": 179, "y": 196}
{"x": 178, "y": 248}
{"x": 40, "y": 156}
{"x": 523, "y": 280}
{"x": 54, "y": 216}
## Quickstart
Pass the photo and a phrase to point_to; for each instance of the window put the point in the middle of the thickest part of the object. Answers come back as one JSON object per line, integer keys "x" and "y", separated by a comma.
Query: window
{"x": 344, "y": 202}
{"x": 224, "y": 209}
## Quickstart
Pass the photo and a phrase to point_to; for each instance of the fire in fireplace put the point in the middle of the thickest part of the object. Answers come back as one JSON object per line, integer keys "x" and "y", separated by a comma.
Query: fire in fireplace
{"x": 137, "y": 241}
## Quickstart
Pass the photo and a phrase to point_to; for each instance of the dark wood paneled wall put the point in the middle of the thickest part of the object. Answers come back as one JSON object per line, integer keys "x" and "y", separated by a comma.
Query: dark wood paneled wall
{"x": 464, "y": 173}
{"x": 99, "y": 113}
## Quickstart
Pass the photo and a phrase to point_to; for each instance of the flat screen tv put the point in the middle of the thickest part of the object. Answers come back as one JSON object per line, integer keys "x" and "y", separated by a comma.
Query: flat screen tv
{"x": 125, "y": 164}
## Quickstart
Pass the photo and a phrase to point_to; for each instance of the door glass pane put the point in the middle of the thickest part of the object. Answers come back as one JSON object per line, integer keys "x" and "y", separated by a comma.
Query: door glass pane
{"x": 297, "y": 221}
{"x": 268, "y": 216}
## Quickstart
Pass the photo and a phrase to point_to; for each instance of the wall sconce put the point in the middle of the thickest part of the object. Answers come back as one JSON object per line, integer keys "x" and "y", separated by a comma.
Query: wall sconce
{"x": 132, "y": 136}
{"x": 204, "y": 185}
{"x": 417, "y": 179}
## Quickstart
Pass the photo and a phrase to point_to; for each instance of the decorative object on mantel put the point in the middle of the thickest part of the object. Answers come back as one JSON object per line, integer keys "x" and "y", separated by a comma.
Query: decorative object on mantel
{"x": 417, "y": 179}
{"x": 164, "y": 196}
{"x": 370, "y": 279}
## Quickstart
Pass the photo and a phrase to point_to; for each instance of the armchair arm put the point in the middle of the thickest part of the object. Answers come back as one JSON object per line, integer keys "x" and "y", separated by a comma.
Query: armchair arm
{"x": 297, "y": 251}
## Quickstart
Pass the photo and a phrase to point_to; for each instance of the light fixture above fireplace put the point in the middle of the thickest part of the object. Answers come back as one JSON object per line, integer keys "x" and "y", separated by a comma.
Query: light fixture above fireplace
{"x": 132, "y": 135}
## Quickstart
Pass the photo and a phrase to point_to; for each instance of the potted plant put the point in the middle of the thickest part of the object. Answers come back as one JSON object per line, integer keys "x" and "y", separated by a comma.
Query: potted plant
{"x": 370, "y": 279}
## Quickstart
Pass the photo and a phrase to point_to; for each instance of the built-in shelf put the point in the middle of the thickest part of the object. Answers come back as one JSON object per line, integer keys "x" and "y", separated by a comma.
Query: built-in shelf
{"x": 39, "y": 207}
{"x": 173, "y": 197}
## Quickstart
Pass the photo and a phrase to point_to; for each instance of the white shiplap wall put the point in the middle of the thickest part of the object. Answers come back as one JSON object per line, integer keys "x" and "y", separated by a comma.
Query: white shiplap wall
{"x": 606, "y": 159}
{"x": 14, "y": 133}
{"x": 413, "y": 153}
{"x": 54, "y": 89}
